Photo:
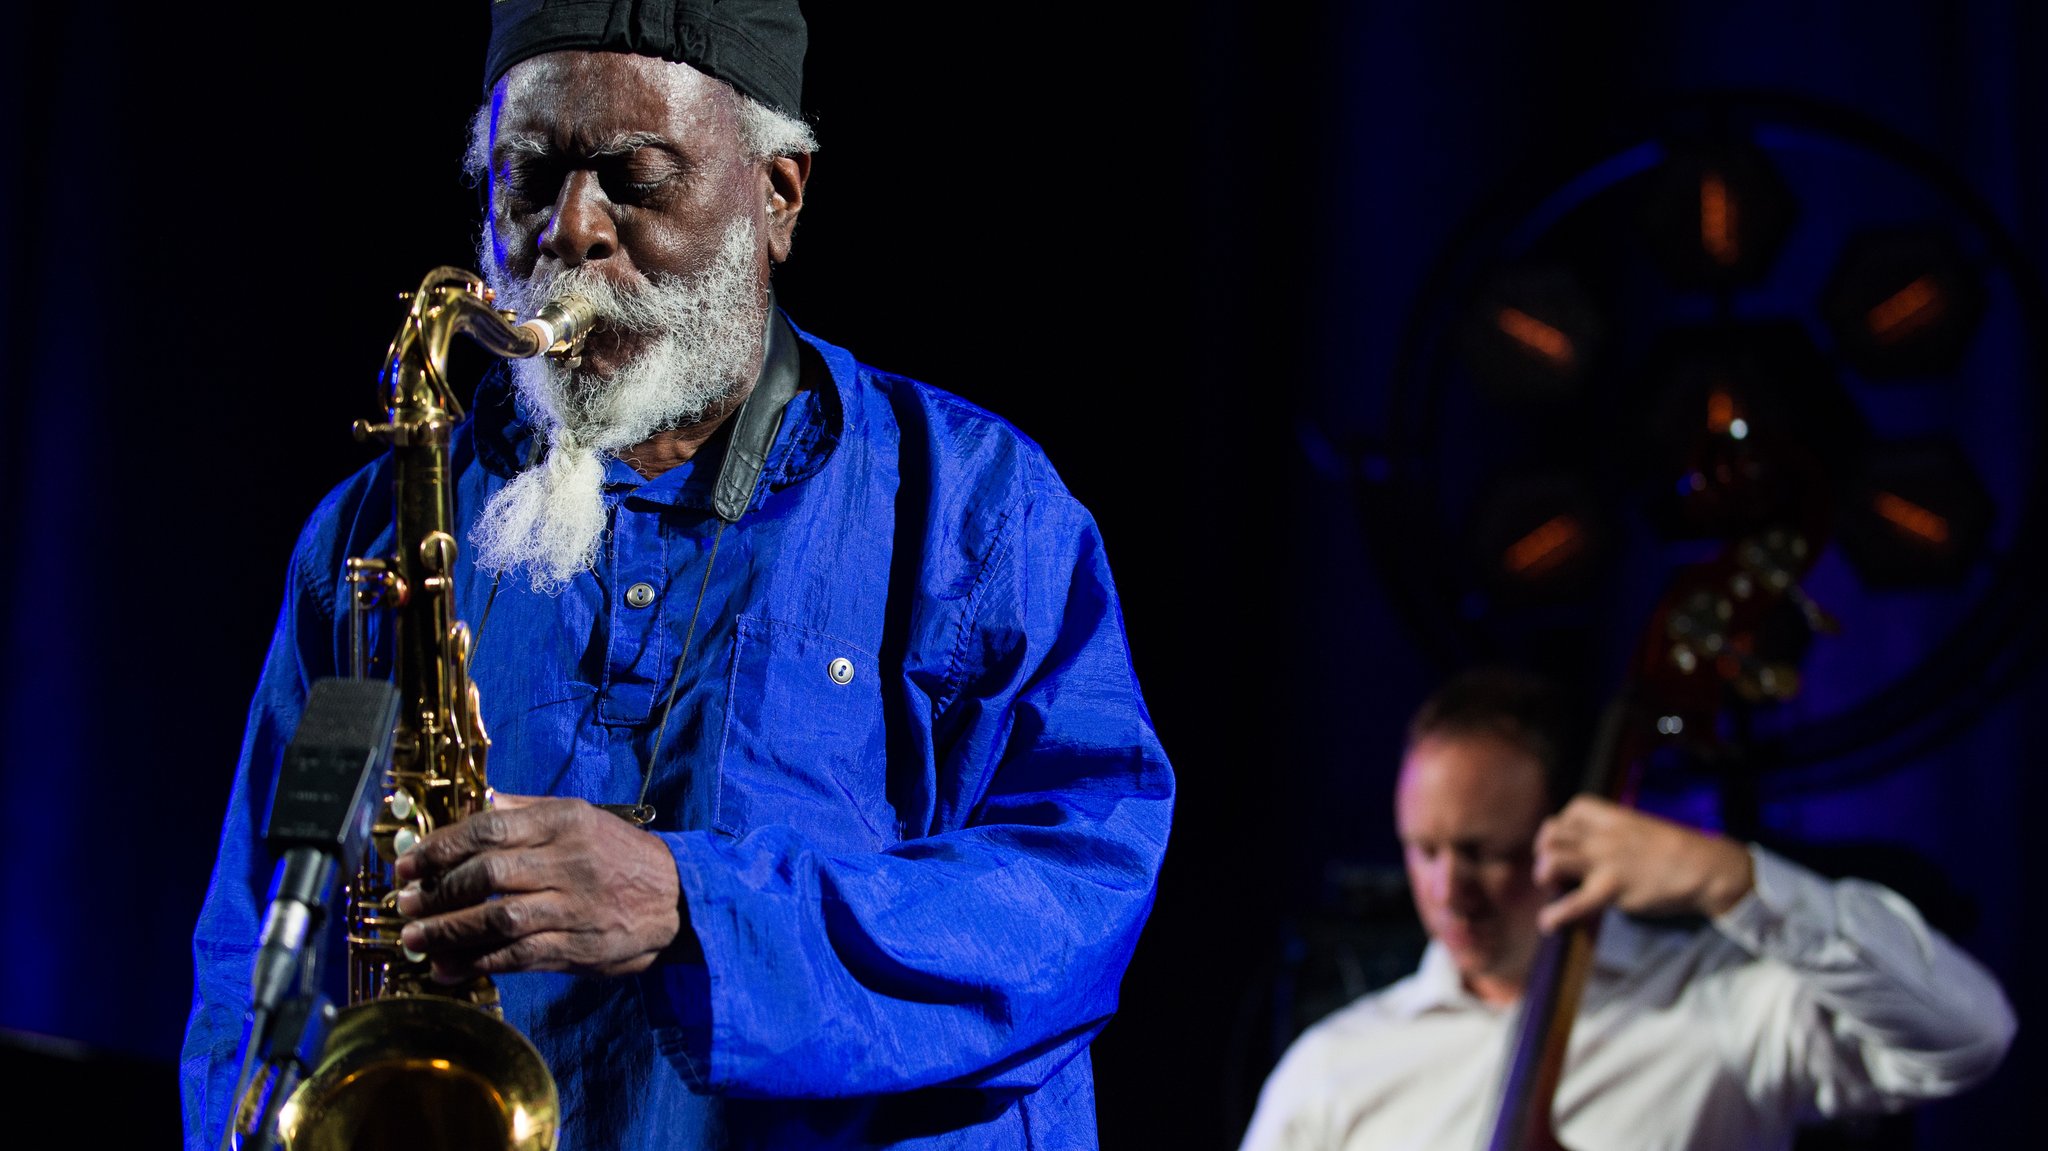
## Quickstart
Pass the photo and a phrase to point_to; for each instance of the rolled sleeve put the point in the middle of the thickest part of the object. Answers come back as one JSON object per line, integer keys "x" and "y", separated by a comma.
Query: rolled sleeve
{"x": 1908, "y": 1015}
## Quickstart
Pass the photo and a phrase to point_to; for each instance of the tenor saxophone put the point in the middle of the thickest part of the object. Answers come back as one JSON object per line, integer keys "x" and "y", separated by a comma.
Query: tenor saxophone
{"x": 411, "y": 1062}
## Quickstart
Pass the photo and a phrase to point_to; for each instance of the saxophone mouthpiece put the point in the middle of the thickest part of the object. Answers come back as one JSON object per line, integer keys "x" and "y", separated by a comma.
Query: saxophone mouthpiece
{"x": 561, "y": 324}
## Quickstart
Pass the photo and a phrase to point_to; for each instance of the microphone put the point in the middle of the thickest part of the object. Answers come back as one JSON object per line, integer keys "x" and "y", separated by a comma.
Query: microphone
{"x": 320, "y": 817}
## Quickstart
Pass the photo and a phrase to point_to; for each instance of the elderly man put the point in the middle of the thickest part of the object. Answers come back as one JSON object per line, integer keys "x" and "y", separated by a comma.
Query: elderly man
{"x": 843, "y": 640}
{"x": 1733, "y": 994}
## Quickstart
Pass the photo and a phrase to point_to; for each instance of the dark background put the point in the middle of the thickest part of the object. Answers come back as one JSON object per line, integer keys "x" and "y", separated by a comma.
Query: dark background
{"x": 1187, "y": 247}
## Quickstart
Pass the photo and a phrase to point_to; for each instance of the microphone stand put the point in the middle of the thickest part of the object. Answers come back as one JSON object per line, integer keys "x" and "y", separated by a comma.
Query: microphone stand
{"x": 288, "y": 1039}
{"x": 297, "y": 1036}
{"x": 319, "y": 819}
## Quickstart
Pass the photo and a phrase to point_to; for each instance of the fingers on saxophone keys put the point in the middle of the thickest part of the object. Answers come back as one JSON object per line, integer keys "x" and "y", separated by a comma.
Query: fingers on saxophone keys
{"x": 487, "y": 926}
{"x": 473, "y": 882}
{"x": 533, "y": 953}
{"x": 451, "y": 846}
{"x": 414, "y": 897}
{"x": 463, "y": 966}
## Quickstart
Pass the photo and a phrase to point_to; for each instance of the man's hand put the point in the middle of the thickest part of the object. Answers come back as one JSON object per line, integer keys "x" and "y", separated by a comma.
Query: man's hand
{"x": 1637, "y": 862}
{"x": 539, "y": 885}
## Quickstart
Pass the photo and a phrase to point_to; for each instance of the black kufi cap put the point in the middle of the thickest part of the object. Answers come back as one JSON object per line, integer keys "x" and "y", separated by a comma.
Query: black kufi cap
{"x": 757, "y": 46}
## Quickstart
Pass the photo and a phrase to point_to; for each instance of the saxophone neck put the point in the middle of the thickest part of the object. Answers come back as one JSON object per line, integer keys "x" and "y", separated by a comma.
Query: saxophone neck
{"x": 561, "y": 324}
{"x": 451, "y": 300}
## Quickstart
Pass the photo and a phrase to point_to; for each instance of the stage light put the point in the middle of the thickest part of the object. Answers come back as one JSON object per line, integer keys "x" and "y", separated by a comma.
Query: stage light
{"x": 1927, "y": 527}
{"x": 1903, "y": 302}
{"x": 1553, "y": 544}
{"x": 1532, "y": 336}
{"x": 1918, "y": 517}
{"x": 1716, "y": 214}
{"x": 1773, "y": 280}
{"x": 1537, "y": 535}
{"x": 1742, "y": 427}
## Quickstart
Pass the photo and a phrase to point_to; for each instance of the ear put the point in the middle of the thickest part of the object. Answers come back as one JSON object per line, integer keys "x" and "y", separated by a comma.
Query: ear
{"x": 782, "y": 179}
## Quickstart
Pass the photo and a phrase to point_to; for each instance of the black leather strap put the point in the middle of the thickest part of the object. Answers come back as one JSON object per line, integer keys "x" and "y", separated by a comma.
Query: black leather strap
{"x": 759, "y": 418}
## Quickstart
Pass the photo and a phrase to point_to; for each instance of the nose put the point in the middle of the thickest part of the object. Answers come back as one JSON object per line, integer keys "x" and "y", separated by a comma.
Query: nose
{"x": 581, "y": 229}
{"x": 1458, "y": 886}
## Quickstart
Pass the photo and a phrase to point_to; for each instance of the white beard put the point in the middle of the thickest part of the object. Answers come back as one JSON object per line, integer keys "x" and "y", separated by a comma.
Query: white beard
{"x": 706, "y": 331}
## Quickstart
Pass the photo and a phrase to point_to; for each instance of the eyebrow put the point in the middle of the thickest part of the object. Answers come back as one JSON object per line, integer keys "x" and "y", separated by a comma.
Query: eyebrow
{"x": 619, "y": 144}
{"x": 624, "y": 142}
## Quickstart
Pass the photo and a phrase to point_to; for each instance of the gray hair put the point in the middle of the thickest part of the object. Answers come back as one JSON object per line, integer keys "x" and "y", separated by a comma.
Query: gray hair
{"x": 764, "y": 132}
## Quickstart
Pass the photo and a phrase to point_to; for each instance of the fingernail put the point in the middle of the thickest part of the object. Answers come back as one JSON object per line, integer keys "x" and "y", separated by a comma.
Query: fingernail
{"x": 412, "y": 936}
{"x": 409, "y": 899}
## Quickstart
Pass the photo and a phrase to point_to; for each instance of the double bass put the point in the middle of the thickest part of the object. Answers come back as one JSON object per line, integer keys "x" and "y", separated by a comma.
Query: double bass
{"x": 1707, "y": 648}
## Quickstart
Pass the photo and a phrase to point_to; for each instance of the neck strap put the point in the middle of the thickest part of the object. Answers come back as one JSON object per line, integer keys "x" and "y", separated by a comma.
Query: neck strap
{"x": 759, "y": 418}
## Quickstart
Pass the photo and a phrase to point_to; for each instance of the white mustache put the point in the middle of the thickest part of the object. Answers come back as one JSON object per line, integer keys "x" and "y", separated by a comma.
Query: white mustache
{"x": 702, "y": 345}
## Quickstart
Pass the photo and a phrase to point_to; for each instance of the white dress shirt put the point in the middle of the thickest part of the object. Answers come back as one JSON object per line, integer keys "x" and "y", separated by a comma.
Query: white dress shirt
{"x": 1809, "y": 998}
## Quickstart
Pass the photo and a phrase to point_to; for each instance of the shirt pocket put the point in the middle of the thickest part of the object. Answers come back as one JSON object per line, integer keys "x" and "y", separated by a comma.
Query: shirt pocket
{"x": 804, "y": 744}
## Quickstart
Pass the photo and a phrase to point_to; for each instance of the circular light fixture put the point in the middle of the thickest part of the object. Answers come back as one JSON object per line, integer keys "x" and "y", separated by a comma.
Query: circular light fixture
{"x": 1754, "y": 314}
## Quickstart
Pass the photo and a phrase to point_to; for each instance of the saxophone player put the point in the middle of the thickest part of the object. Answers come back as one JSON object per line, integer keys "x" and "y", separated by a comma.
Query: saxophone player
{"x": 841, "y": 645}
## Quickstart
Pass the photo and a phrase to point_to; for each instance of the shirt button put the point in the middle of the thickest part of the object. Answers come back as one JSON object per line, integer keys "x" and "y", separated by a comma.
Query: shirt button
{"x": 841, "y": 670}
{"x": 640, "y": 594}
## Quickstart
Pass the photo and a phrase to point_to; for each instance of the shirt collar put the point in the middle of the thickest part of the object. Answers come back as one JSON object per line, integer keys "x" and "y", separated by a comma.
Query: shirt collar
{"x": 1435, "y": 986}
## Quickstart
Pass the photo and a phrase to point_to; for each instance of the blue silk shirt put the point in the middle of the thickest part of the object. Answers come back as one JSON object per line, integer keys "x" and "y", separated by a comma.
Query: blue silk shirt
{"x": 916, "y": 886}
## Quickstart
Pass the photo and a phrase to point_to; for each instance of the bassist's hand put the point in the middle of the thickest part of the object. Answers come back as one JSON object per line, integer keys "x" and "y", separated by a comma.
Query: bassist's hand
{"x": 1620, "y": 857}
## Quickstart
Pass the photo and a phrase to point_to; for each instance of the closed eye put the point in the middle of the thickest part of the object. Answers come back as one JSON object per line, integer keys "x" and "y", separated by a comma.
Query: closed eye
{"x": 638, "y": 176}
{"x": 529, "y": 182}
